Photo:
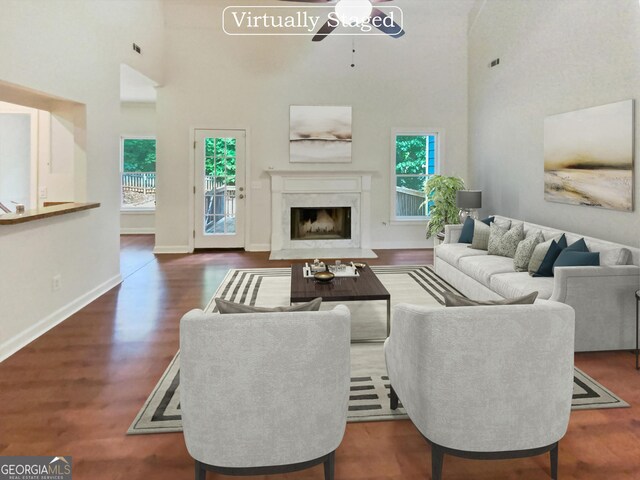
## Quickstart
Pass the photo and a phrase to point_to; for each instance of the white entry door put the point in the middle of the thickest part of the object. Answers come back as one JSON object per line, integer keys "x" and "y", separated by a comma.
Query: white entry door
{"x": 219, "y": 188}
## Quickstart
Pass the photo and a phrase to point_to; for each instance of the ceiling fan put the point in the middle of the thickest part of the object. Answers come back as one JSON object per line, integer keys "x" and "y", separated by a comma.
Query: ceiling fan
{"x": 356, "y": 12}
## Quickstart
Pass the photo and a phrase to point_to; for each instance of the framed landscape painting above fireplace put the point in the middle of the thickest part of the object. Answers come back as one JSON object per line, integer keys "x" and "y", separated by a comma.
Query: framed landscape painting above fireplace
{"x": 319, "y": 134}
{"x": 588, "y": 157}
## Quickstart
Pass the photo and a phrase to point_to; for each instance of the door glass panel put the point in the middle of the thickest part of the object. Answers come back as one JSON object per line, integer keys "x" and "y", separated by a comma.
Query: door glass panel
{"x": 220, "y": 186}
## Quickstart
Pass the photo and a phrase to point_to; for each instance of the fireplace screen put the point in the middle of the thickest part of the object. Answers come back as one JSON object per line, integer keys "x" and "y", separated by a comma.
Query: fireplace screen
{"x": 323, "y": 223}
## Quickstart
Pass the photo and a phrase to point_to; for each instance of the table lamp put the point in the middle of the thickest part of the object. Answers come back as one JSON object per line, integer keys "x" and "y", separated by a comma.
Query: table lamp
{"x": 468, "y": 201}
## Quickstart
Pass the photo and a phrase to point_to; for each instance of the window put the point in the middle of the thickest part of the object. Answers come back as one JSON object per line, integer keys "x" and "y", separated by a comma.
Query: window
{"x": 415, "y": 156}
{"x": 138, "y": 167}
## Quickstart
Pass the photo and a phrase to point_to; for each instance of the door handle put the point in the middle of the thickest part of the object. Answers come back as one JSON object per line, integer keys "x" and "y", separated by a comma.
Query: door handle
{"x": 241, "y": 196}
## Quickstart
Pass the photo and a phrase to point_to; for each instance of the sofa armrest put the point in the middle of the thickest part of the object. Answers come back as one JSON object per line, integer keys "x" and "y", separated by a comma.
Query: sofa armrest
{"x": 452, "y": 233}
{"x": 582, "y": 277}
{"x": 604, "y": 301}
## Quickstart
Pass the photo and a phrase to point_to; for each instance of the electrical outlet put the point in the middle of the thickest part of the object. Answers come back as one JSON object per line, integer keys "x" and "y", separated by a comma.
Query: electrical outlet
{"x": 43, "y": 192}
{"x": 56, "y": 283}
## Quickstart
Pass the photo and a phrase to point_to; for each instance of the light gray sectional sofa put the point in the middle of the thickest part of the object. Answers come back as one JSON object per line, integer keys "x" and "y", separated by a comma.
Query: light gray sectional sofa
{"x": 603, "y": 296}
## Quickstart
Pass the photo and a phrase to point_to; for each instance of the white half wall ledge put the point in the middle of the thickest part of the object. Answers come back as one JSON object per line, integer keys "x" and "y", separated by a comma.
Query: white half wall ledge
{"x": 137, "y": 231}
{"x": 24, "y": 338}
{"x": 172, "y": 249}
{"x": 258, "y": 247}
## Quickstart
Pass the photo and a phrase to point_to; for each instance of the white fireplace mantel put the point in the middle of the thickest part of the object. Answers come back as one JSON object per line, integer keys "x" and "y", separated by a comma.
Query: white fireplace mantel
{"x": 306, "y": 188}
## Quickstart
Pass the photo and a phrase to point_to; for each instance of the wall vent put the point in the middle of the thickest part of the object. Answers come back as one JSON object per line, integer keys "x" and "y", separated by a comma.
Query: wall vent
{"x": 494, "y": 63}
{"x": 137, "y": 49}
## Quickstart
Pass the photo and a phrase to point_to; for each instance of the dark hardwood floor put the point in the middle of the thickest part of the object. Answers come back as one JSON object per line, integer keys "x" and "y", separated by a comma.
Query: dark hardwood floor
{"x": 75, "y": 390}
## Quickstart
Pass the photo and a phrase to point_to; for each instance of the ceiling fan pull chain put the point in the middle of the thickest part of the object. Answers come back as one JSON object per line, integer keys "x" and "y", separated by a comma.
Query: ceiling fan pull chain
{"x": 353, "y": 52}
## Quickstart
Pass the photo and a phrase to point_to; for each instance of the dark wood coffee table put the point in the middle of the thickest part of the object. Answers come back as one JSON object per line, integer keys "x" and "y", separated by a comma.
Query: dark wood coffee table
{"x": 341, "y": 289}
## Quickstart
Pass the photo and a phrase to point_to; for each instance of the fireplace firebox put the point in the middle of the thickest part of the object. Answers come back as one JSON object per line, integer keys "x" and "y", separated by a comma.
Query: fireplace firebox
{"x": 322, "y": 223}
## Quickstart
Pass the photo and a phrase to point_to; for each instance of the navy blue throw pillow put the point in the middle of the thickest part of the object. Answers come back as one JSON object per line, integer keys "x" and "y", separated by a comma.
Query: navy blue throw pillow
{"x": 546, "y": 267}
{"x": 466, "y": 236}
{"x": 573, "y": 258}
{"x": 579, "y": 246}
{"x": 562, "y": 243}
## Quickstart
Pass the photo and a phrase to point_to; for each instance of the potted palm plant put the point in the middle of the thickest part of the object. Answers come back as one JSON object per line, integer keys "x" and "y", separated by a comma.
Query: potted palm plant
{"x": 440, "y": 192}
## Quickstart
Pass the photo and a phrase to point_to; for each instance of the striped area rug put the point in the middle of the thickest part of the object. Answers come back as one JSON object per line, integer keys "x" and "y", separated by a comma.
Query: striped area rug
{"x": 369, "y": 398}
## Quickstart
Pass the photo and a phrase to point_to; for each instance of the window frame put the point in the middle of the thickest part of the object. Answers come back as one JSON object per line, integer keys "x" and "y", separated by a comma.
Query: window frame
{"x": 438, "y": 133}
{"x": 123, "y": 207}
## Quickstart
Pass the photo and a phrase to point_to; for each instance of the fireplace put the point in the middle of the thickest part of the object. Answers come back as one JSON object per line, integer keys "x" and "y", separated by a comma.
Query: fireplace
{"x": 320, "y": 223}
{"x": 320, "y": 214}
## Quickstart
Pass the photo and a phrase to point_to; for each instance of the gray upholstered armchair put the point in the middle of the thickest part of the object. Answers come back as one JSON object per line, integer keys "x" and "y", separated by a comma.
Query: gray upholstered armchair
{"x": 264, "y": 393}
{"x": 484, "y": 382}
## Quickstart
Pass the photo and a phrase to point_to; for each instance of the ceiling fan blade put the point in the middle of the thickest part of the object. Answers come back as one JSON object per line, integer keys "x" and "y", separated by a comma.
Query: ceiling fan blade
{"x": 324, "y": 31}
{"x": 394, "y": 31}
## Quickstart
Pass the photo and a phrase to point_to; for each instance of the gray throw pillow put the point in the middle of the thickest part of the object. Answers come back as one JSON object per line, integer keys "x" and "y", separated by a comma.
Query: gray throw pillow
{"x": 505, "y": 244}
{"x": 495, "y": 236}
{"x": 481, "y": 232}
{"x": 225, "y": 306}
{"x": 524, "y": 251}
{"x": 614, "y": 256}
{"x": 503, "y": 222}
{"x": 453, "y": 300}
{"x": 539, "y": 252}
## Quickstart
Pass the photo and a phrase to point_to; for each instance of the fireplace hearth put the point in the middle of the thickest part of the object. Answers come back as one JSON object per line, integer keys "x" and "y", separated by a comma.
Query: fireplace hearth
{"x": 320, "y": 223}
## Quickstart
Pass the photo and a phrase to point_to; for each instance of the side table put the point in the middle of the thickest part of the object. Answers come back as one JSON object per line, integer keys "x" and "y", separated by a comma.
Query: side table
{"x": 637, "y": 316}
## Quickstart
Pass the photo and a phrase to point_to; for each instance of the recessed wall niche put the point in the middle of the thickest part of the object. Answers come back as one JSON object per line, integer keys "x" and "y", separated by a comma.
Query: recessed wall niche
{"x": 42, "y": 148}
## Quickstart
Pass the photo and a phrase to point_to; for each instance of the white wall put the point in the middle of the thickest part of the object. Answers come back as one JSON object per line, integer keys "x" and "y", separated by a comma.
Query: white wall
{"x": 137, "y": 119}
{"x": 15, "y": 159}
{"x": 555, "y": 56}
{"x": 218, "y": 81}
{"x": 71, "y": 49}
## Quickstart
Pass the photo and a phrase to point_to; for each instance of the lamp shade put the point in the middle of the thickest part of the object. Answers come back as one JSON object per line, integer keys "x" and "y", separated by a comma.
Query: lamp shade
{"x": 469, "y": 199}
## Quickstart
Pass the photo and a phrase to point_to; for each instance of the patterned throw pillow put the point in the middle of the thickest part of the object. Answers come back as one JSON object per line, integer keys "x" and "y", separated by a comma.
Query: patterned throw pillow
{"x": 539, "y": 253}
{"x": 495, "y": 237}
{"x": 525, "y": 250}
{"x": 502, "y": 222}
{"x": 481, "y": 232}
{"x": 505, "y": 243}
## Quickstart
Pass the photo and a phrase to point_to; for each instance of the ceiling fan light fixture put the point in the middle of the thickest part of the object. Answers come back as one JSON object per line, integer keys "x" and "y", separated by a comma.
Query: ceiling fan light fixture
{"x": 353, "y": 12}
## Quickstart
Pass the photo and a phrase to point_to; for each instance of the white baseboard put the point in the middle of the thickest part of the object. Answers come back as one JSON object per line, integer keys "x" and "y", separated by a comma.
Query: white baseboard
{"x": 411, "y": 244}
{"x": 172, "y": 249}
{"x": 138, "y": 231}
{"x": 258, "y": 247}
{"x": 14, "y": 344}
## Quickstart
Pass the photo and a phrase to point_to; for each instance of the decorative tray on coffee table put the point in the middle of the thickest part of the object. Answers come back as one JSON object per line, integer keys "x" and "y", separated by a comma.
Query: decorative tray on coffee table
{"x": 347, "y": 270}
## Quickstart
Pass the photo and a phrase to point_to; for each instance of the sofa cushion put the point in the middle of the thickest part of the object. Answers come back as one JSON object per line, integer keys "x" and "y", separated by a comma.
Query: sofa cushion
{"x": 225, "y": 306}
{"x": 540, "y": 252}
{"x": 572, "y": 258}
{"x": 466, "y": 236}
{"x": 524, "y": 251}
{"x": 481, "y": 268}
{"x": 505, "y": 243}
{"x": 510, "y": 285}
{"x": 578, "y": 246}
{"x": 453, "y": 252}
{"x": 453, "y": 300}
{"x": 481, "y": 232}
{"x": 546, "y": 267}
{"x": 610, "y": 253}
